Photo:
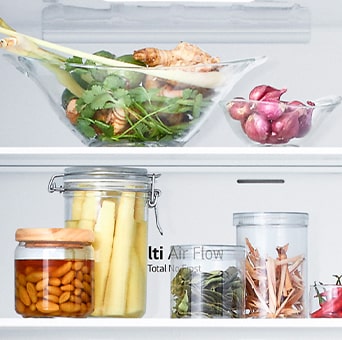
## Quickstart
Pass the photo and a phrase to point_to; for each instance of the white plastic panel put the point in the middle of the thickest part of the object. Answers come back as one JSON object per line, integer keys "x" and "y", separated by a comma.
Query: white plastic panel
{"x": 161, "y": 22}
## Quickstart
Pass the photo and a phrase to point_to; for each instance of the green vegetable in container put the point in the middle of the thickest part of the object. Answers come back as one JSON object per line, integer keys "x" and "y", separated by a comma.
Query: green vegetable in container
{"x": 112, "y": 99}
{"x": 215, "y": 294}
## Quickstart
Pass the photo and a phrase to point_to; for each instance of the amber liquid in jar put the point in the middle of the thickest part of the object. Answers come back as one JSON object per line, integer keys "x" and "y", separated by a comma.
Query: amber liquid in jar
{"x": 49, "y": 287}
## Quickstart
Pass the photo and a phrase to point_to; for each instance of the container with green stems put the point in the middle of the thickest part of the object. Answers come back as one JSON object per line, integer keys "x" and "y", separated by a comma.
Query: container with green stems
{"x": 207, "y": 281}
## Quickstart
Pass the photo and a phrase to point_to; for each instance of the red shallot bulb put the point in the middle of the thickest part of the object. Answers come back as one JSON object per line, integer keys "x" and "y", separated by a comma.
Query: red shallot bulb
{"x": 304, "y": 116}
{"x": 285, "y": 127}
{"x": 267, "y": 119}
{"x": 239, "y": 109}
{"x": 257, "y": 128}
{"x": 270, "y": 109}
{"x": 265, "y": 92}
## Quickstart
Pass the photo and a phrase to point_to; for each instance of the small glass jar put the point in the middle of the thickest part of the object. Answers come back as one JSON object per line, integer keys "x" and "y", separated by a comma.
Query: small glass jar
{"x": 112, "y": 202}
{"x": 54, "y": 272}
{"x": 325, "y": 301}
{"x": 276, "y": 248}
{"x": 207, "y": 281}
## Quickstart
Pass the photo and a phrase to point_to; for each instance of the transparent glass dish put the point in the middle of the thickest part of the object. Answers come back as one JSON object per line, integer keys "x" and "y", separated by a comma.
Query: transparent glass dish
{"x": 270, "y": 123}
{"x": 134, "y": 106}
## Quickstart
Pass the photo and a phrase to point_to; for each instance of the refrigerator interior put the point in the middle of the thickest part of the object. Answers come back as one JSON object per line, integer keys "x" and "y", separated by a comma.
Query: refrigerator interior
{"x": 302, "y": 50}
{"x": 188, "y": 214}
{"x": 197, "y": 203}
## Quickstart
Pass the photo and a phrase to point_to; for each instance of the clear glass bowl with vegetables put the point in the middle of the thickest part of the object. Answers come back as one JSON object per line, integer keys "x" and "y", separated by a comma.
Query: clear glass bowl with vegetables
{"x": 151, "y": 97}
{"x": 266, "y": 119}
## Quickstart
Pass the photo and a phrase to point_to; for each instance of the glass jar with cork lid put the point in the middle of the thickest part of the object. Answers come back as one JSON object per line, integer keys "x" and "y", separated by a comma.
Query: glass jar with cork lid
{"x": 54, "y": 272}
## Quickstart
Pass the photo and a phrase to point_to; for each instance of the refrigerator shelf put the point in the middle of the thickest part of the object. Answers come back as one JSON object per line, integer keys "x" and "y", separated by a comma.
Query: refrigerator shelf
{"x": 157, "y": 328}
{"x": 176, "y": 159}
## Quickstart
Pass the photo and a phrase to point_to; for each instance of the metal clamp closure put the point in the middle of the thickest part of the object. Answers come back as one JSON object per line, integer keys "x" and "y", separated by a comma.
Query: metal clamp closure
{"x": 52, "y": 186}
{"x": 153, "y": 198}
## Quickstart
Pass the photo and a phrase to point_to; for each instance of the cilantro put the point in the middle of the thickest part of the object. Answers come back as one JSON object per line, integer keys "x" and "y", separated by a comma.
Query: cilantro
{"x": 70, "y": 63}
{"x": 108, "y": 130}
{"x": 113, "y": 82}
{"x": 148, "y": 113}
{"x": 105, "y": 54}
{"x": 90, "y": 95}
{"x": 84, "y": 127}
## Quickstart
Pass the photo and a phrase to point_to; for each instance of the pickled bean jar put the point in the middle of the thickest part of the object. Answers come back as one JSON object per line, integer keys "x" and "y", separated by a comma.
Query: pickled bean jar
{"x": 54, "y": 272}
{"x": 112, "y": 202}
{"x": 276, "y": 262}
{"x": 207, "y": 281}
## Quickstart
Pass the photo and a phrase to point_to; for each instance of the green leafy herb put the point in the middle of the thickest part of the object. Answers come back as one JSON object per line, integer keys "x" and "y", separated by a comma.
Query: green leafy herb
{"x": 104, "y": 104}
{"x": 216, "y": 294}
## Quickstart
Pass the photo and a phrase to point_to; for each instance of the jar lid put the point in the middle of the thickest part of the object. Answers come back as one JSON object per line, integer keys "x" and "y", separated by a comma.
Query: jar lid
{"x": 270, "y": 218}
{"x": 54, "y": 235}
{"x": 102, "y": 178}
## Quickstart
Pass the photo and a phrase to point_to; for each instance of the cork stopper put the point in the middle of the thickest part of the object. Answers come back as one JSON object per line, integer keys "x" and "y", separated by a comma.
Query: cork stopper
{"x": 62, "y": 235}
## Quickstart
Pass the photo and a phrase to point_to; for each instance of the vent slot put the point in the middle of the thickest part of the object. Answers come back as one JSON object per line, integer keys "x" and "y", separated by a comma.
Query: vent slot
{"x": 260, "y": 181}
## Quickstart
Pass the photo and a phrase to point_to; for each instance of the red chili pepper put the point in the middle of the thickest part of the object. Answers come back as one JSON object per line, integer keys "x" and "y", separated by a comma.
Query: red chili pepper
{"x": 332, "y": 307}
{"x": 326, "y": 315}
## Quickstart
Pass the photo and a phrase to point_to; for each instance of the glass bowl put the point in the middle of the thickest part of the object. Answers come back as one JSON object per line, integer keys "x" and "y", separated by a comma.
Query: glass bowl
{"x": 270, "y": 123}
{"x": 134, "y": 106}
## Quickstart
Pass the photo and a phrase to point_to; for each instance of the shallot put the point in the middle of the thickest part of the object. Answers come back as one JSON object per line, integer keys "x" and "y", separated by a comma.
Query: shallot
{"x": 267, "y": 119}
{"x": 239, "y": 109}
{"x": 266, "y": 92}
{"x": 304, "y": 116}
{"x": 257, "y": 128}
{"x": 270, "y": 109}
{"x": 285, "y": 127}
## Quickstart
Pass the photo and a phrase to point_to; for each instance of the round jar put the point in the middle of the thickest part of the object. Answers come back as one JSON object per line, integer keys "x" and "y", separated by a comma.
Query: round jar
{"x": 54, "y": 272}
{"x": 276, "y": 262}
{"x": 112, "y": 202}
{"x": 207, "y": 281}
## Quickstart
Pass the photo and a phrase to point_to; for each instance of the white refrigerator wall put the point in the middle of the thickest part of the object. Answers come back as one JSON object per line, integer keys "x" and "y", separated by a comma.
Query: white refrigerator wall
{"x": 195, "y": 206}
{"x": 309, "y": 70}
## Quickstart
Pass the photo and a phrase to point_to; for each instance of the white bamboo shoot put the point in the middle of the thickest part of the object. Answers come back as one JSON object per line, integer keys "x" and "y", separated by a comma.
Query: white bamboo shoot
{"x": 77, "y": 203}
{"x": 140, "y": 244}
{"x": 136, "y": 293}
{"x": 117, "y": 283}
{"x": 104, "y": 234}
{"x": 89, "y": 211}
{"x": 140, "y": 206}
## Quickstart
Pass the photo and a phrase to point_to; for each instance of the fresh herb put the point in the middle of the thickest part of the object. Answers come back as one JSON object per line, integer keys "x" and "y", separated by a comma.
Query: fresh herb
{"x": 115, "y": 107}
{"x": 216, "y": 294}
{"x": 120, "y": 99}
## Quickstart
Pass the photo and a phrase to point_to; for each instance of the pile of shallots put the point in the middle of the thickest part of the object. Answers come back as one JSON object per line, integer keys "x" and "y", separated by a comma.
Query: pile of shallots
{"x": 268, "y": 120}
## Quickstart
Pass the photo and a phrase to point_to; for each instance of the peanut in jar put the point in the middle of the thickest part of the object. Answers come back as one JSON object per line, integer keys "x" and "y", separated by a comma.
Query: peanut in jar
{"x": 53, "y": 275}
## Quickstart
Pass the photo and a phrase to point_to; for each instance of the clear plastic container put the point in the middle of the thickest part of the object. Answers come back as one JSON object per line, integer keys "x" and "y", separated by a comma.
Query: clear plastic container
{"x": 54, "y": 272}
{"x": 276, "y": 263}
{"x": 112, "y": 202}
{"x": 207, "y": 281}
